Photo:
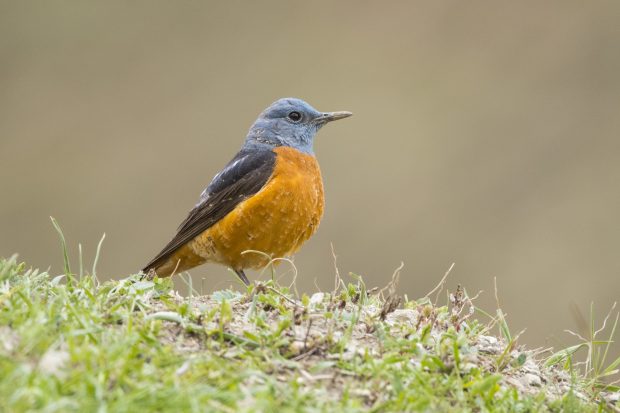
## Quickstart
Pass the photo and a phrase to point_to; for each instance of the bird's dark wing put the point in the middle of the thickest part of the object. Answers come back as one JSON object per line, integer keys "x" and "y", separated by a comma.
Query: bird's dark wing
{"x": 244, "y": 176}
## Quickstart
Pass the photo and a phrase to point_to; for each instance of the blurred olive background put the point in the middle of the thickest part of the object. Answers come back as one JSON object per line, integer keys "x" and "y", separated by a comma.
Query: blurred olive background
{"x": 485, "y": 134}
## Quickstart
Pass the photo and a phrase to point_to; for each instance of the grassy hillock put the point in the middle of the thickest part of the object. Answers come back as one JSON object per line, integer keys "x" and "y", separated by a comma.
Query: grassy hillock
{"x": 69, "y": 343}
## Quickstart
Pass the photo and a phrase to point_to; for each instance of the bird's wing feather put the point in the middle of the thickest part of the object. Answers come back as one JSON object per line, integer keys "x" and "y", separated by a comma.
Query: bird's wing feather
{"x": 244, "y": 176}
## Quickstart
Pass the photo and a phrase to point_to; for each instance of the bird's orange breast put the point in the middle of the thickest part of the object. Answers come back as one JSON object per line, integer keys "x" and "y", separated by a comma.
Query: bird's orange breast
{"x": 275, "y": 221}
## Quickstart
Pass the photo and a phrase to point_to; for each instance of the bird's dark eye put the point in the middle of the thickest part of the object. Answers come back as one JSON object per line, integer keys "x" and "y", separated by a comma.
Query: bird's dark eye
{"x": 294, "y": 116}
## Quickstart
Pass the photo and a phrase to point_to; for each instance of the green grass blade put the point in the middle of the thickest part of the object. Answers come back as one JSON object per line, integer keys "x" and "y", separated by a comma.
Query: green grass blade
{"x": 81, "y": 261}
{"x": 64, "y": 247}
{"x": 612, "y": 366}
{"x": 503, "y": 325}
{"x": 563, "y": 354}
{"x": 97, "y": 255}
{"x": 610, "y": 340}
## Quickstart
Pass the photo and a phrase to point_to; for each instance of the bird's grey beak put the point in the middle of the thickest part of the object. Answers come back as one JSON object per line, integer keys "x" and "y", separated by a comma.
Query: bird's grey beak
{"x": 330, "y": 116}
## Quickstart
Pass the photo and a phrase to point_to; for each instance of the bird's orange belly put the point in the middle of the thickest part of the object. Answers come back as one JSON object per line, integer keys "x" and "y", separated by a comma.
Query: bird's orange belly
{"x": 272, "y": 223}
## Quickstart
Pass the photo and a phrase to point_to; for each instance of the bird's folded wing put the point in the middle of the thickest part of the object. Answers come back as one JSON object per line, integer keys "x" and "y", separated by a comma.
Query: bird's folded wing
{"x": 244, "y": 176}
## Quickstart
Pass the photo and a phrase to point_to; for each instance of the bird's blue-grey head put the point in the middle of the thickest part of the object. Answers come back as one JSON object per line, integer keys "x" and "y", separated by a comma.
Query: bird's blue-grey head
{"x": 289, "y": 122}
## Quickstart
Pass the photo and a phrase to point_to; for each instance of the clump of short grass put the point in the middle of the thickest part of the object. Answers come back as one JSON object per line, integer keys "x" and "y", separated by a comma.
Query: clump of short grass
{"x": 595, "y": 372}
{"x": 69, "y": 343}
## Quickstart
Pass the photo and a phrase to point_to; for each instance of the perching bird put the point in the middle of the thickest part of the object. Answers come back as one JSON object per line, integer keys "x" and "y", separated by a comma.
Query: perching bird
{"x": 265, "y": 203}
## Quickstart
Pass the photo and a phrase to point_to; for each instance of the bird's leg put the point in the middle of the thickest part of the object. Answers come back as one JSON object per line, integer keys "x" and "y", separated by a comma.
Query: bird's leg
{"x": 242, "y": 277}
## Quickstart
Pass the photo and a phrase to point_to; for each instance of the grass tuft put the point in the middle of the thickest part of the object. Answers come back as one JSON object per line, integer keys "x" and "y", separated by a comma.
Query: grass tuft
{"x": 69, "y": 343}
{"x": 594, "y": 372}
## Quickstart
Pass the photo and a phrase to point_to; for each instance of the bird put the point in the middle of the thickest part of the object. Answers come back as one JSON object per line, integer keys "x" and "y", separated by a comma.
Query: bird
{"x": 265, "y": 203}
